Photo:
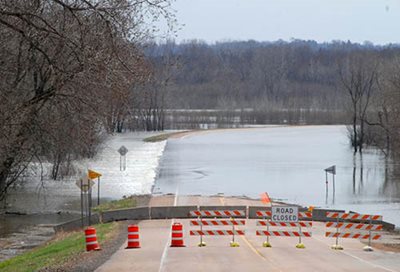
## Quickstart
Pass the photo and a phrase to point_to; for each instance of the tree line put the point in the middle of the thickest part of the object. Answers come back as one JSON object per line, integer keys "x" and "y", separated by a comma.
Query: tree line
{"x": 67, "y": 69}
{"x": 74, "y": 71}
{"x": 297, "y": 82}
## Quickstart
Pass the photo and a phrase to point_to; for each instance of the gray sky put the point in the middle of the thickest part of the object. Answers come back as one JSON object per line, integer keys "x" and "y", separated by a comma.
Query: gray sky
{"x": 269, "y": 20}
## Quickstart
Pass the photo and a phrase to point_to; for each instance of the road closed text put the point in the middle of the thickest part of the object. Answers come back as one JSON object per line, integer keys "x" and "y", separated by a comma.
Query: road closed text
{"x": 285, "y": 214}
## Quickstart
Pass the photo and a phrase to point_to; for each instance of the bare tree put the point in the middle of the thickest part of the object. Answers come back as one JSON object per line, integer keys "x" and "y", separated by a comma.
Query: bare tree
{"x": 68, "y": 53}
{"x": 358, "y": 74}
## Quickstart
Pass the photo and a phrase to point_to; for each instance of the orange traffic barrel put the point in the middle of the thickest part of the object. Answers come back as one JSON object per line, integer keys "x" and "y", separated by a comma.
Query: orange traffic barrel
{"x": 91, "y": 239}
{"x": 133, "y": 236}
{"x": 177, "y": 235}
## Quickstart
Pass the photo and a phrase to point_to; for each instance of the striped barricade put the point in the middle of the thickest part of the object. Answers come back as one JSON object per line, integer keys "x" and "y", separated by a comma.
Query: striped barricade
{"x": 232, "y": 222}
{"x": 267, "y": 222}
{"x": 217, "y": 222}
{"x": 283, "y": 233}
{"x": 268, "y": 214}
{"x": 218, "y": 213}
{"x": 362, "y": 231}
{"x": 353, "y": 216}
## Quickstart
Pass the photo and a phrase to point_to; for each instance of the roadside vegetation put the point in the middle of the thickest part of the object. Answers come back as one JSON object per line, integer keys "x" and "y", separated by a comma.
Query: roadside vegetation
{"x": 65, "y": 247}
{"x": 125, "y": 203}
{"x": 161, "y": 137}
{"x": 76, "y": 66}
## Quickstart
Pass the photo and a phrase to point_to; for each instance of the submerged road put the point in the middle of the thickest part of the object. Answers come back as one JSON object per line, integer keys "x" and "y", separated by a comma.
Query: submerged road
{"x": 156, "y": 254}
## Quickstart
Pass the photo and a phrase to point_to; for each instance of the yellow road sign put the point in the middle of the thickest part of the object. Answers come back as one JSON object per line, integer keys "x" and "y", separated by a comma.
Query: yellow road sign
{"x": 93, "y": 175}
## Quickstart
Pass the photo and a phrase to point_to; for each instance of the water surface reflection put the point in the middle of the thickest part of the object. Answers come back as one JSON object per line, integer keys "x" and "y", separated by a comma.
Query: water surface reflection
{"x": 288, "y": 162}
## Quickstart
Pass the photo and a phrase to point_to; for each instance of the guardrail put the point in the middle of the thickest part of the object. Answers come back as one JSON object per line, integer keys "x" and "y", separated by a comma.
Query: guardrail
{"x": 169, "y": 212}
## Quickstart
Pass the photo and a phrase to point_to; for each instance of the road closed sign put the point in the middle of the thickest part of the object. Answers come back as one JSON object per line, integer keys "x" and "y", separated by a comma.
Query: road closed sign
{"x": 285, "y": 214}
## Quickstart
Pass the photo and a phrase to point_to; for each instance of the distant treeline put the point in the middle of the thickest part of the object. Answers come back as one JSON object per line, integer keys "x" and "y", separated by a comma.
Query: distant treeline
{"x": 261, "y": 75}
{"x": 298, "y": 82}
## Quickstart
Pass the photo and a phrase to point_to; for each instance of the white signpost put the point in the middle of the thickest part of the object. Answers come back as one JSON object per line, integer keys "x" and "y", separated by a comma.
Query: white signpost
{"x": 85, "y": 184}
{"x": 122, "y": 159}
{"x": 286, "y": 214}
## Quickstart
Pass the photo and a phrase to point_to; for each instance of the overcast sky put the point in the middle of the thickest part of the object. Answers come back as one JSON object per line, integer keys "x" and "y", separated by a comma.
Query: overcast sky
{"x": 269, "y": 20}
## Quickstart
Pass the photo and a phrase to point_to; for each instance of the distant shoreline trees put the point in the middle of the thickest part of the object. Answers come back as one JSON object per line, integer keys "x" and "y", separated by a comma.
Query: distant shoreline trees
{"x": 298, "y": 82}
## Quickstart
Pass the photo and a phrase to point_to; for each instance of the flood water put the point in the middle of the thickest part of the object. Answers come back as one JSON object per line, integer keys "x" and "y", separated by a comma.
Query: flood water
{"x": 35, "y": 206}
{"x": 286, "y": 162}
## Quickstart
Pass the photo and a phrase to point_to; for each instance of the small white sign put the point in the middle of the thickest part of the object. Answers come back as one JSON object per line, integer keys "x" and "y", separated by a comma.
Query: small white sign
{"x": 285, "y": 214}
{"x": 84, "y": 183}
{"x": 123, "y": 150}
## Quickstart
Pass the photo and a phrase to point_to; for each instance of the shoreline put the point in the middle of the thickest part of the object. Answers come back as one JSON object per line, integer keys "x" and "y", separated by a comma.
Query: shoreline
{"x": 23, "y": 220}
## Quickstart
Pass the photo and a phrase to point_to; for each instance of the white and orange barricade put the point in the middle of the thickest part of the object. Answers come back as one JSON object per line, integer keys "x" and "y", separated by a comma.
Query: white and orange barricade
{"x": 133, "y": 237}
{"x": 267, "y": 222}
{"x": 177, "y": 235}
{"x": 91, "y": 239}
{"x": 362, "y": 230}
{"x": 230, "y": 222}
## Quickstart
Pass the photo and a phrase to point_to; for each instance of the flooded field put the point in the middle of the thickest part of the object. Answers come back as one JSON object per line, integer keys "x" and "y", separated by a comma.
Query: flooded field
{"x": 287, "y": 162}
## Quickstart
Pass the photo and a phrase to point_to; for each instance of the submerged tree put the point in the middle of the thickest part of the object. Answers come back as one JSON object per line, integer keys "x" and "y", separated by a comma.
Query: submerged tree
{"x": 358, "y": 75}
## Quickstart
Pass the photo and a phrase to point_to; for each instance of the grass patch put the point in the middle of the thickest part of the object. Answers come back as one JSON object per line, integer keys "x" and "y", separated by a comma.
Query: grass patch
{"x": 157, "y": 138}
{"x": 125, "y": 203}
{"x": 161, "y": 137}
{"x": 56, "y": 252}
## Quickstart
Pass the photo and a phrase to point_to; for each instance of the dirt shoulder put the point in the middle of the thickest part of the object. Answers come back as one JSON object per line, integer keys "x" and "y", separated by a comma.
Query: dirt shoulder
{"x": 89, "y": 261}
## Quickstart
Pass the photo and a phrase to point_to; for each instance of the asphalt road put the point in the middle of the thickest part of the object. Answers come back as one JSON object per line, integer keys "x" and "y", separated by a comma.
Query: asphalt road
{"x": 156, "y": 254}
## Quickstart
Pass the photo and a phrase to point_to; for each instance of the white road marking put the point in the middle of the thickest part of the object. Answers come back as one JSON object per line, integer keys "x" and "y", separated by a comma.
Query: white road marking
{"x": 357, "y": 258}
{"x": 164, "y": 255}
{"x": 176, "y": 196}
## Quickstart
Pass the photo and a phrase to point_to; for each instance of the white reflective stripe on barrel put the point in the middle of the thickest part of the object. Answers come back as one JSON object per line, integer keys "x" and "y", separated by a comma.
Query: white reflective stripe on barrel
{"x": 133, "y": 240}
{"x": 91, "y": 243}
{"x": 132, "y": 233}
{"x": 91, "y": 236}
